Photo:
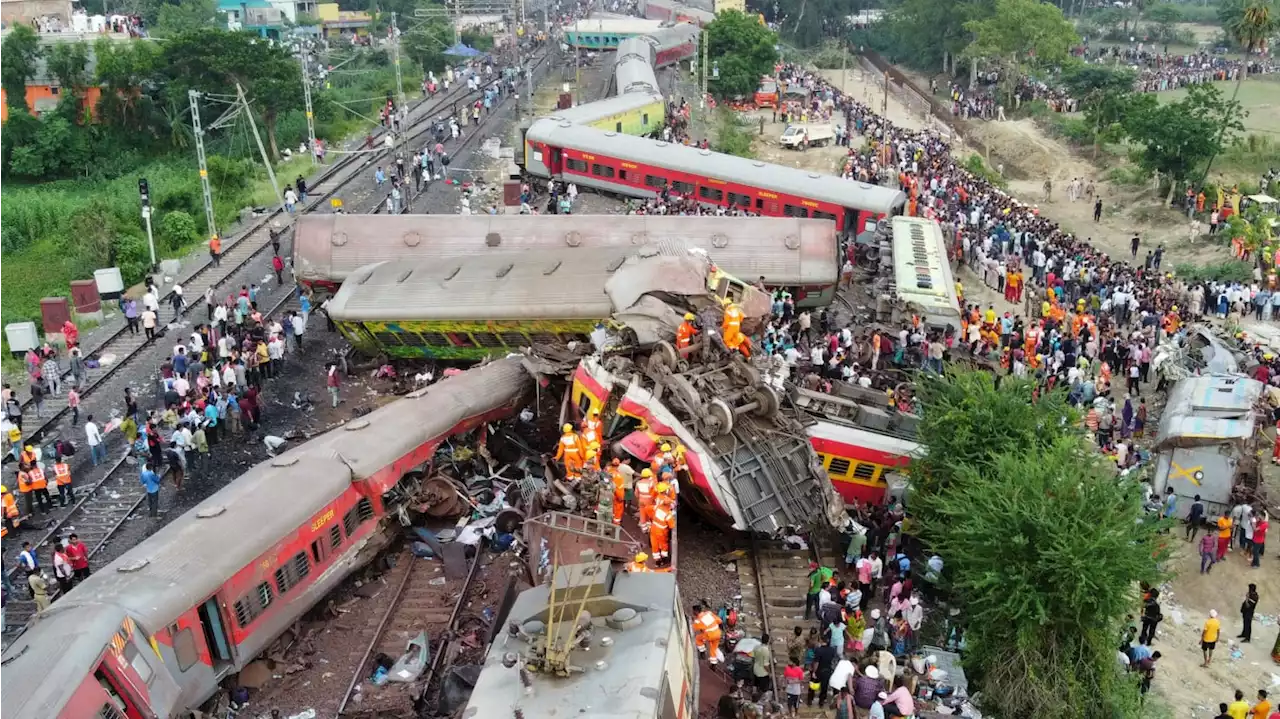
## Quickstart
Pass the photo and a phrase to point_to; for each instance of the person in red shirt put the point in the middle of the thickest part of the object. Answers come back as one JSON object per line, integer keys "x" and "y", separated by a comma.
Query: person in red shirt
{"x": 1260, "y": 538}
{"x": 78, "y": 554}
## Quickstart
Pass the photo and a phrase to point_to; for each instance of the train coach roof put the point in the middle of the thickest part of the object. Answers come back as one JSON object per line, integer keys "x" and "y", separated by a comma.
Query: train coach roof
{"x": 779, "y": 178}
{"x": 42, "y": 669}
{"x": 190, "y": 558}
{"x": 618, "y": 104}
{"x": 630, "y": 26}
{"x": 574, "y": 283}
{"x": 786, "y": 250}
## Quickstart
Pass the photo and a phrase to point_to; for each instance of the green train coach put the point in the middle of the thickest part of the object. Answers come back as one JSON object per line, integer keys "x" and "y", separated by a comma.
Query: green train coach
{"x": 479, "y": 306}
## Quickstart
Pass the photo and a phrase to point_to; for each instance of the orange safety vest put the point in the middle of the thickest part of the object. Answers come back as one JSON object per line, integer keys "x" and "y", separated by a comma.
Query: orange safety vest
{"x": 707, "y": 622}
{"x": 661, "y": 517}
{"x": 24, "y": 482}
{"x": 684, "y": 335}
{"x": 27, "y": 458}
{"x": 644, "y": 491}
{"x": 570, "y": 447}
{"x": 10, "y": 506}
{"x": 594, "y": 427}
{"x": 35, "y": 478}
{"x": 62, "y": 471}
{"x": 733, "y": 318}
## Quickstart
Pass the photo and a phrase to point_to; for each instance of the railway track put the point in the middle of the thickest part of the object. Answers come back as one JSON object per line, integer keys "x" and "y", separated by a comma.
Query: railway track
{"x": 774, "y": 585}
{"x": 424, "y": 600}
{"x": 106, "y": 502}
{"x": 124, "y": 347}
{"x": 101, "y": 510}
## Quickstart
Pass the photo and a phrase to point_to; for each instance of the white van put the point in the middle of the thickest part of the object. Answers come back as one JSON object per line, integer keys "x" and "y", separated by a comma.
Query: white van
{"x": 795, "y": 136}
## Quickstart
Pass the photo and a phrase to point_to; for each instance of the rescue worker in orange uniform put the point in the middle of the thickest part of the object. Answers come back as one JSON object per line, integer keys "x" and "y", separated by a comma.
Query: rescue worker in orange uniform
{"x": 639, "y": 564}
{"x": 731, "y": 328}
{"x": 619, "y": 489}
{"x": 686, "y": 331}
{"x": 645, "y": 499}
{"x": 570, "y": 451}
{"x": 40, "y": 488}
{"x": 592, "y": 461}
{"x": 706, "y": 633}
{"x": 62, "y": 476}
{"x": 593, "y": 428}
{"x": 660, "y": 533}
{"x": 28, "y": 458}
{"x": 662, "y": 460}
{"x": 666, "y": 490}
{"x": 10, "y": 512}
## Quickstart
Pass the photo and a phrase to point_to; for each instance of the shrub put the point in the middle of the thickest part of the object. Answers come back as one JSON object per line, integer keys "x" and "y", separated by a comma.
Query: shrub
{"x": 178, "y": 229}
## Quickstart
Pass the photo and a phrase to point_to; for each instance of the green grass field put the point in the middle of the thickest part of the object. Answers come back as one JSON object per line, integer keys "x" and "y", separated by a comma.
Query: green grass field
{"x": 1259, "y": 96}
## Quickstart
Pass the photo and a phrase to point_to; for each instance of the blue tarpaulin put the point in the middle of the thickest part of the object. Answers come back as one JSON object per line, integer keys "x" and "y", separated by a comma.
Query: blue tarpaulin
{"x": 462, "y": 50}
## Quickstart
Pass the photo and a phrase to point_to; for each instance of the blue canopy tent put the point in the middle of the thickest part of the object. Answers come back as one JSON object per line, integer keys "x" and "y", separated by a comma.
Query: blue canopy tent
{"x": 462, "y": 50}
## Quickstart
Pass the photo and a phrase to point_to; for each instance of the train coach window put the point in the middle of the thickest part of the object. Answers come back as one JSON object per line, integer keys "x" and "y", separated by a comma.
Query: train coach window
{"x": 711, "y": 193}
{"x": 110, "y": 712}
{"x": 184, "y": 647}
{"x": 394, "y": 339}
{"x": 655, "y": 181}
{"x": 575, "y": 165}
{"x": 486, "y": 339}
{"x": 601, "y": 170}
{"x": 737, "y": 200}
{"x": 544, "y": 337}
{"x": 865, "y": 471}
{"x": 460, "y": 339}
{"x": 290, "y": 573}
{"x": 622, "y": 175}
{"x": 335, "y": 537}
{"x": 839, "y": 466}
{"x": 617, "y": 127}
{"x": 252, "y": 604}
{"x": 434, "y": 339}
{"x": 138, "y": 662}
{"x": 513, "y": 339}
{"x": 684, "y": 188}
{"x": 823, "y": 216}
{"x": 644, "y": 120}
{"x": 793, "y": 211}
{"x": 365, "y": 508}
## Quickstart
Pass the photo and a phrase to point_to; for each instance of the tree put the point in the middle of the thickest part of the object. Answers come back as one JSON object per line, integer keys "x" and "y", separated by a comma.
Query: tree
{"x": 21, "y": 51}
{"x": 126, "y": 71}
{"x": 1042, "y": 545}
{"x": 184, "y": 17}
{"x": 425, "y": 45}
{"x": 1020, "y": 34}
{"x": 926, "y": 33}
{"x": 215, "y": 61}
{"x": 1164, "y": 17}
{"x": 744, "y": 50}
{"x": 1106, "y": 96}
{"x": 68, "y": 62}
{"x": 1180, "y": 136}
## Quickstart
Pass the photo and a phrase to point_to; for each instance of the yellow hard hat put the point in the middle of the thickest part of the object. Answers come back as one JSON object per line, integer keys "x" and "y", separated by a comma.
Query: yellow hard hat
{"x": 646, "y": 473}
{"x": 591, "y": 452}
{"x": 567, "y": 428}
{"x": 1175, "y": 308}
{"x": 4, "y": 489}
{"x": 689, "y": 316}
{"x": 595, "y": 411}
{"x": 642, "y": 557}
{"x": 663, "y": 487}
{"x": 29, "y": 448}
{"x": 666, "y": 447}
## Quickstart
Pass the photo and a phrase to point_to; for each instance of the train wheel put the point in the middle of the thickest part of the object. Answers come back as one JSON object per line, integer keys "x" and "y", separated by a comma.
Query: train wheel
{"x": 718, "y": 419}
{"x": 769, "y": 401}
{"x": 663, "y": 356}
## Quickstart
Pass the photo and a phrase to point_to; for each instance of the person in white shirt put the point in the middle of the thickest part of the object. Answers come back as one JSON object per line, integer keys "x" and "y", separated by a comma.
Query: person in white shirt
{"x": 93, "y": 437}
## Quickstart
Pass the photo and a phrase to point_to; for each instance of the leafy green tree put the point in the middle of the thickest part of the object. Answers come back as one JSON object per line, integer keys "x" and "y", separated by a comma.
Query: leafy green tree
{"x": 425, "y": 45}
{"x": 1042, "y": 545}
{"x": 178, "y": 228}
{"x": 926, "y": 33}
{"x": 743, "y": 49}
{"x": 126, "y": 70}
{"x": 174, "y": 19}
{"x": 21, "y": 51}
{"x": 1180, "y": 137}
{"x": 213, "y": 60}
{"x": 1164, "y": 17}
{"x": 1249, "y": 23}
{"x": 1020, "y": 34}
{"x": 1106, "y": 97}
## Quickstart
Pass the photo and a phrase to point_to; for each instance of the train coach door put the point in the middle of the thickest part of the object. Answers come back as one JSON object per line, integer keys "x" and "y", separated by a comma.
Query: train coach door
{"x": 120, "y": 703}
{"x": 215, "y": 635}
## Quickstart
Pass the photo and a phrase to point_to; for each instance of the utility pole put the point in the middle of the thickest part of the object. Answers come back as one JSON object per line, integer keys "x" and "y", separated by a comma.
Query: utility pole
{"x": 395, "y": 56}
{"x": 306, "y": 96}
{"x": 206, "y": 193}
{"x": 702, "y": 87}
{"x": 144, "y": 193}
{"x": 266, "y": 161}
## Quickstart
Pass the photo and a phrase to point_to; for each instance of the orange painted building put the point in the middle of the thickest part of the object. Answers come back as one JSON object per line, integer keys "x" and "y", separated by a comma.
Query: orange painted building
{"x": 43, "y": 98}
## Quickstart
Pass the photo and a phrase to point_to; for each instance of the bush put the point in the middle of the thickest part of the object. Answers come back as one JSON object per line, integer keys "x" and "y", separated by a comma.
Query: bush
{"x": 1225, "y": 271}
{"x": 975, "y": 165}
{"x": 732, "y": 137}
{"x": 178, "y": 229}
{"x": 1073, "y": 129}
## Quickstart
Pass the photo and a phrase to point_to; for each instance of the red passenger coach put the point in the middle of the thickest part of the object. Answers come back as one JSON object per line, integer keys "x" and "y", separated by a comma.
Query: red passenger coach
{"x": 639, "y": 167}
{"x": 155, "y": 632}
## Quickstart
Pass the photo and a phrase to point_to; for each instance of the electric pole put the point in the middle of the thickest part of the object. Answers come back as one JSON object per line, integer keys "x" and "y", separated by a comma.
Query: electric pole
{"x": 306, "y": 96}
{"x": 702, "y": 95}
{"x": 266, "y": 161}
{"x": 206, "y": 193}
{"x": 395, "y": 55}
